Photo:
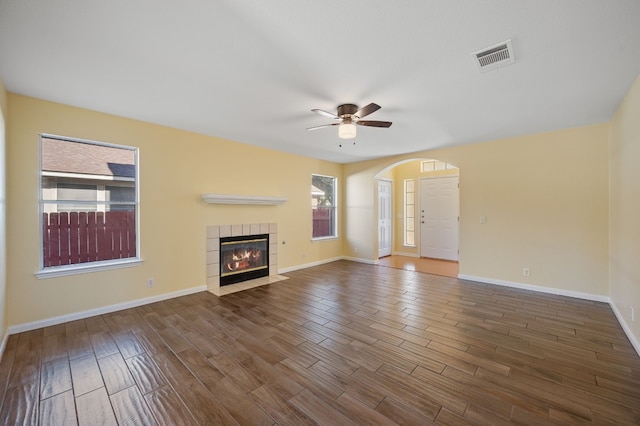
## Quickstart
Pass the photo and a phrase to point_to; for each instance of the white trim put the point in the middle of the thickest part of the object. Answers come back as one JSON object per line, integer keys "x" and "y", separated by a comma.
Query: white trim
{"x": 362, "y": 260}
{"x": 3, "y": 345}
{"x": 531, "y": 287}
{"x": 139, "y": 302}
{"x": 87, "y": 141}
{"x": 102, "y": 310}
{"x": 331, "y": 237}
{"x": 83, "y": 268}
{"x": 627, "y": 330}
{"x": 405, "y": 219}
{"x": 88, "y": 176}
{"x": 243, "y": 199}
{"x": 309, "y": 265}
{"x": 391, "y": 213}
{"x": 322, "y": 262}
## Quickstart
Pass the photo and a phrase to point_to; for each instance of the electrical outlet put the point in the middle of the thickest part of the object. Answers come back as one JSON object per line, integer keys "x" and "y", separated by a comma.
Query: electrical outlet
{"x": 633, "y": 313}
{"x": 483, "y": 219}
{"x": 150, "y": 282}
{"x": 526, "y": 272}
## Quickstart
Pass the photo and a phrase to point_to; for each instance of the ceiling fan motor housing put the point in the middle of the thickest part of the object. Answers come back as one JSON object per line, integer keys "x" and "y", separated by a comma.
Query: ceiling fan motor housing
{"x": 347, "y": 110}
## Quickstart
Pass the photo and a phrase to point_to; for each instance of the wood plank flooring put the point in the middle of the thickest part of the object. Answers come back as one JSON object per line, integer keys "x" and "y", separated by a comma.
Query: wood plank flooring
{"x": 447, "y": 268}
{"x": 338, "y": 344}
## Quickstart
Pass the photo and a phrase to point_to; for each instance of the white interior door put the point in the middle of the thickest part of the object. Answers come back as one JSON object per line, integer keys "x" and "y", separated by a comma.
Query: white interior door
{"x": 439, "y": 213}
{"x": 385, "y": 200}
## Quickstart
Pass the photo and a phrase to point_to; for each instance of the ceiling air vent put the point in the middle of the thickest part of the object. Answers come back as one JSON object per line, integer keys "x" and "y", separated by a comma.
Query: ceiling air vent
{"x": 494, "y": 57}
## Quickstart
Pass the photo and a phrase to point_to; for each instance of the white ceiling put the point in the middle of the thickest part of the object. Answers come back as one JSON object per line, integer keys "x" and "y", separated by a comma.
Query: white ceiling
{"x": 251, "y": 71}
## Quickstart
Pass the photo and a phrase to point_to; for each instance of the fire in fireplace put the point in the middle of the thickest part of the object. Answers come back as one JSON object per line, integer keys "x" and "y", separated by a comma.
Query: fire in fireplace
{"x": 243, "y": 258}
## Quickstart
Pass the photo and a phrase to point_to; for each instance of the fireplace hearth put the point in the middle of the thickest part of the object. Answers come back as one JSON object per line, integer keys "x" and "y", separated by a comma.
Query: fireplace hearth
{"x": 243, "y": 258}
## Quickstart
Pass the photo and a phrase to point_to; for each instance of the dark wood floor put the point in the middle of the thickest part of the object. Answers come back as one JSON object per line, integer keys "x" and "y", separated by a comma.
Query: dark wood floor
{"x": 343, "y": 343}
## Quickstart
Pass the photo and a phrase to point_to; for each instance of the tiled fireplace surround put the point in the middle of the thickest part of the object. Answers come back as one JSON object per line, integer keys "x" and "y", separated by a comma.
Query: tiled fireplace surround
{"x": 215, "y": 232}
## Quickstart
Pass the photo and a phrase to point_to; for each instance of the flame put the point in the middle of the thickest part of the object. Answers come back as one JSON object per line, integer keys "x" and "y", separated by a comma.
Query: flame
{"x": 243, "y": 260}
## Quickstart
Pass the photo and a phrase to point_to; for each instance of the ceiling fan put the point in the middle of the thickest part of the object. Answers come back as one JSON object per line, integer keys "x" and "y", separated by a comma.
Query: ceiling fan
{"x": 350, "y": 116}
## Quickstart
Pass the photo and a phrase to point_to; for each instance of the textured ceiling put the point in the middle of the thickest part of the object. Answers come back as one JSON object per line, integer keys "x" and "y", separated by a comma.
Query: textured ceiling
{"x": 251, "y": 71}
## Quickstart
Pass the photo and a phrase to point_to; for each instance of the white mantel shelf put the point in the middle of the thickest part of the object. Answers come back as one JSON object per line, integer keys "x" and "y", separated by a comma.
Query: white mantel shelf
{"x": 242, "y": 199}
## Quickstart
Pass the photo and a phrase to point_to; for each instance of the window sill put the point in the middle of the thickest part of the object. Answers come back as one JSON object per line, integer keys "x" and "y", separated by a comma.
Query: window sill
{"x": 83, "y": 268}
{"x": 324, "y": 238}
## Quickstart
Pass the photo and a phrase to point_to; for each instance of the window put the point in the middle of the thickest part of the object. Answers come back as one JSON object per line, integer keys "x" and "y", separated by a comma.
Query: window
{"x": 324, "y": 206}
{"x": 409, "y": 212}
{"x": 435, "y": 166}
{"x": 88, "y": 203}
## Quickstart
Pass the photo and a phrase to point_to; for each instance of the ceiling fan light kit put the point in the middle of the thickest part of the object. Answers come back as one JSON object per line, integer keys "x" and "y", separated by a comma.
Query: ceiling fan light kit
{"x": 347, "y": 130}
{"x": 349, "y": 117}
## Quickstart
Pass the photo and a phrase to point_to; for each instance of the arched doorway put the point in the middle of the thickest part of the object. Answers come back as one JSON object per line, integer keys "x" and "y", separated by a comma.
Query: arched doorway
{"x": 425, "y": 215}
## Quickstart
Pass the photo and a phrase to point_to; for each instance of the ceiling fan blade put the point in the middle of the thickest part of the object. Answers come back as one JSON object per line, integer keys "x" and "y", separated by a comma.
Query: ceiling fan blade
{"x": 372, "y": 123}
{"x": 326, "y": 114}
{"x": 364, "y": 111}
{"x": 324, "y": 125}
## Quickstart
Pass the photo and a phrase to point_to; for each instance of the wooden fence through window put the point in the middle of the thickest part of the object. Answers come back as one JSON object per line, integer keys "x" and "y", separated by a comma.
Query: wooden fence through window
{"x": 79, "y": 237}
{"x": 323, "y": 225}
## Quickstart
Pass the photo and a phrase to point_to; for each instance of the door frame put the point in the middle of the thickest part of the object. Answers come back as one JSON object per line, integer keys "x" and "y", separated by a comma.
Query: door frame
{"x": 391, "y": 224}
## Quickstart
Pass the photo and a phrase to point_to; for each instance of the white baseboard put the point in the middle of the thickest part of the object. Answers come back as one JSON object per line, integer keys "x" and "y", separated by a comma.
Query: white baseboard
{"x": 627, "y": 330}
{"x": 322, "y": 262}
{"x": 308, "y": 265}
{"x": 3, "y": 345}
{"x": 549, "y": 290}
{"x": 361, "y": 260}
{"x": 139, "y": 302}
{"x": 19, "y": 328}
{"x": 98, "y": 311}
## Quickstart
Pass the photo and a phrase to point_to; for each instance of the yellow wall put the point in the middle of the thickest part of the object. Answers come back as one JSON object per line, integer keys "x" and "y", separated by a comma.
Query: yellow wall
{"x": 3, "y": 205}
{"x": 625, "y": 208}
{"x": 545, "y": 198}
{"x": 175, "y": 168}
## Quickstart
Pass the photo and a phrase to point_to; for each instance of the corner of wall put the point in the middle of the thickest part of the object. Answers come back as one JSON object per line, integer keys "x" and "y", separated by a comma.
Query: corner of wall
{"x": 3, "y": 260}
{"x": 624, "y": 208}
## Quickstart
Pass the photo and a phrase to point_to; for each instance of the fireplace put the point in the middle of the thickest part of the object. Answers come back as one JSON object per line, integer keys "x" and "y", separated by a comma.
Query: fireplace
{"x": 231, "y": 282}
{"x": 243, "y": 258}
